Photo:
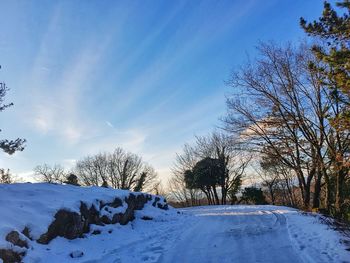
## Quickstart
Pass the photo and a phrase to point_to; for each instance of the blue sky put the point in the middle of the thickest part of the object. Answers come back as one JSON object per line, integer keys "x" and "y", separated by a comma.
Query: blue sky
{"x": 88, "y": 76}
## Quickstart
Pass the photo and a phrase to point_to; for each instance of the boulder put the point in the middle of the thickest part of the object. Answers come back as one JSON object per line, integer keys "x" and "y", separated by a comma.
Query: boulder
{"x": 26, "y": 232}
{"x": 90, "y": 215}
{"x": 156, "y": 203}
{"x": 116, "y": 203}
{"x": 66, "y": 224}
{"x": 10, "y": 256}
{"x": 76, "y": 254}
{"x": 15, "y": 238}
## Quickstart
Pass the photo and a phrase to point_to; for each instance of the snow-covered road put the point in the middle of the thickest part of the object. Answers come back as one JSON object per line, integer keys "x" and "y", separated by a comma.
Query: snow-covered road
{"x": 220, "y": 234}
{"x": 215, "y": 234}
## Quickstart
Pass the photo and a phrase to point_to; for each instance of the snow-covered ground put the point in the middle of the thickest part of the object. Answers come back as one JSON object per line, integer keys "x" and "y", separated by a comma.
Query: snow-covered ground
{"x": 201, "y": 234}
{"x": 255, "y": 234}
{"x": 34, "y": 205}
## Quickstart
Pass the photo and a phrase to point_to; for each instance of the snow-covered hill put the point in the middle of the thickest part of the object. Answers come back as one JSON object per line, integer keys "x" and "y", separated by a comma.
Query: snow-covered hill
{"x": 58, "y": 223}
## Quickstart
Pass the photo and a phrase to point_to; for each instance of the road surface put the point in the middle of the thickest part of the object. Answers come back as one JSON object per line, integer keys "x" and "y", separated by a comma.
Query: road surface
{"x": 219, "y": 234}
{"x": 213, "y": 234}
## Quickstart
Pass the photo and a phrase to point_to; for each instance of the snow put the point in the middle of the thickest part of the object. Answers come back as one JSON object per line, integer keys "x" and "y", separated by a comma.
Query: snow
{"x": 198, "y": 234}
{"x": 34, "y": 205}
{"x": 312, "y": 239}
{"x": 138, "y": 241}
{"x": 256, "y": 234}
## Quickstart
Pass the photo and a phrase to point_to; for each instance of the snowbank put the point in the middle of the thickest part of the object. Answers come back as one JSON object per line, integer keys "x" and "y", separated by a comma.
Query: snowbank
{"x": 41, "y": 212}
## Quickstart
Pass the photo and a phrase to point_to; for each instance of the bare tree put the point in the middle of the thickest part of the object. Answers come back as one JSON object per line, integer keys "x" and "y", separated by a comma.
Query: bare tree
{"x": 224, "y": 148}
{"x": 180, "y": 194}
{"x": 89, "y": 170}
{"x": 157, "y": 188}
{"x": 283, "y": 110}
{"x": 279, "y": 181}
{"x": 177, "y": 186}
{"x": 50, "y": 174}
{"x": 219, "y": 148}
{"x": 119, "y": 169}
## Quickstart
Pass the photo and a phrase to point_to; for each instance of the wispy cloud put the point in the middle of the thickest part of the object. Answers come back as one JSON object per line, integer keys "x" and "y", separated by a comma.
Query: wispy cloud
{"x": 174, "y": 55}
{"x": 131, "y": 139}
{"x": 109, "y": 124}
{"x": 59, "y": 106}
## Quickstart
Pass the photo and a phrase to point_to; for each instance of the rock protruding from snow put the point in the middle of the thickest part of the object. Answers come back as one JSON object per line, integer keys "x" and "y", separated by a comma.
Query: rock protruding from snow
{"x": 72, "y": 225}
{"x": 15, "y": 238}
{"x": 159, "y": 203}
{"x": 66, "y": 224}
{"x": 10, "y": 256}
{"x": 76, "y": 254}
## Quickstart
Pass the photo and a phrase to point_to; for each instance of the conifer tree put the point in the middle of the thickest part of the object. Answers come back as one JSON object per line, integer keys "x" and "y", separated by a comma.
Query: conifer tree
{"x": 333, "y": 51}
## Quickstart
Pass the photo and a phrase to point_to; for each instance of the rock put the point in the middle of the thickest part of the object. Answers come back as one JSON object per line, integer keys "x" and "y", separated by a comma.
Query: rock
{"x": 96, "y": 232}
{"x": 73, "y": 225}
{"x": 141, "y": 200}
{"x": 66, "y": 224}
{"x": 147, "y": 218}
{"x": 128, "y": 216}
{"x": 76, "y": 254}
{"x": 26, "y": 232}
{"x": 10, "y": 256}
{"x": 106, "y": 220}
{"x": 156, "y": 200}
{"x": 91, "y": 216}
{"x": 117, "y": 218}
{"x": 116, "y": 203}
{"x": 134, "y": 202}
{"x": 163, "y": 206}
{"x": 156, "y": 203}
{"x": 15, "y": 238}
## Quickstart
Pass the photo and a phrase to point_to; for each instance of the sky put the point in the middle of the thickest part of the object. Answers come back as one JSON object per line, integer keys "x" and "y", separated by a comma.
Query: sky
{"x": 89, "y": 76}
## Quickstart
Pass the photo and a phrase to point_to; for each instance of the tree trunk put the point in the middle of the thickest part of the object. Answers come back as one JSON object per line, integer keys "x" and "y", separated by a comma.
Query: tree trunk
{"x": 339, "y": 192}
{"x": 216, "y": 195}
{"x": 328, "y": 196}
{"x": 317, "y": 192}
{"x": 223, "y": 195}
{"x": 307, "y": 196}
{"x": 271, "y": 194}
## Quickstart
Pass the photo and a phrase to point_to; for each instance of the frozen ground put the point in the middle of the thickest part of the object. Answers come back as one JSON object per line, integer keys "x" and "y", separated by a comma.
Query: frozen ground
{"x": 240, "y": 234}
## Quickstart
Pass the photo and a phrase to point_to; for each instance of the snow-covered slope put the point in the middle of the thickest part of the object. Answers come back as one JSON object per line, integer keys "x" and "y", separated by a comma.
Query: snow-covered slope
{"x": 30, "y": 211}
{"x": 34, "y": 205}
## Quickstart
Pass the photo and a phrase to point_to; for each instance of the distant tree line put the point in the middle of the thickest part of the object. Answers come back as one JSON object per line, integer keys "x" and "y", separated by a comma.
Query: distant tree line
{"x": 118, "y": 169}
